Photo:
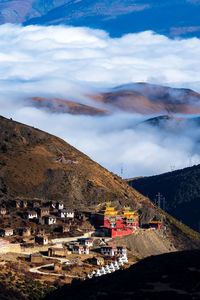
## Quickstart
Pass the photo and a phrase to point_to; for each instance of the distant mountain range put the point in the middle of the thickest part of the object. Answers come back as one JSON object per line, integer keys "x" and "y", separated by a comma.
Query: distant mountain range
{"x": 181, "y": 190}
{"x": 142, "y": 98}
{"x": 172, "y": 18}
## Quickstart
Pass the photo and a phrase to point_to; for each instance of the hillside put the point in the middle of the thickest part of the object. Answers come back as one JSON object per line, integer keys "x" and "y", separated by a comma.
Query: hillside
{"x": 167, "y": 276}
{"x": 145, "y": 98}
{"x": 37, "y": 165}
{"x": 181, "y": 190}
{"x": 30, "y": 168}
{"x": 57, "y": 105}
{"x": 142, "y": 98}
{"x": 172, "y": 124}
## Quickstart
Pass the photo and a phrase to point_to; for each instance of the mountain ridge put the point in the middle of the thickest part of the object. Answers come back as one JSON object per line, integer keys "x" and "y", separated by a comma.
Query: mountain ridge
{"x": 180, "y": 189}
{"x": 142, "y": 98}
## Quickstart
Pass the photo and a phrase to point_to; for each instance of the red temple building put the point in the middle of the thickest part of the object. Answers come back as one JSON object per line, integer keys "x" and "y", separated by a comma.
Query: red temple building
{"x": 117, "y": 223}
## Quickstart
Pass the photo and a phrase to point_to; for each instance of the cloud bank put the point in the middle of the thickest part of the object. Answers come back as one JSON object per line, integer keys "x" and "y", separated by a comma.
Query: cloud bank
{"x": 69, "y": 62}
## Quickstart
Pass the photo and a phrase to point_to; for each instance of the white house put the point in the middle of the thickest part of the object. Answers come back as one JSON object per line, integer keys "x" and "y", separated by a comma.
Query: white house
{"x": 59, "y": 205}
{"x": 6, "y": 232}
{"x": 69, "y": 214}
{"x": 87, "y": 242}
{"x": 50, "y": 220}
{"x": 65, "y": 214}
{"x": 113, "y": 250}
{"x": 79, "y": 249}
{"x": 30, "y": 215}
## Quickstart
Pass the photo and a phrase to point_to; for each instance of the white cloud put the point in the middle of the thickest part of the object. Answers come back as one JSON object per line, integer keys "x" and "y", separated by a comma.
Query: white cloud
{"x": 69, "y": 62}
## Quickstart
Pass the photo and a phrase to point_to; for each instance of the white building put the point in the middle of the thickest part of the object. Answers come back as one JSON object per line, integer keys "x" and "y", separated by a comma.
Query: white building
{"x": 50, "y": 220}
{"x": 30, "y": 215}
{"x": 79, "y": 249}
{"x": 112, "y": 250}
{"x": 66, "y": 214}
{"x": 59, "y": 205}
{"x": 87, "y": 242}
{"x": 6, "y": 232}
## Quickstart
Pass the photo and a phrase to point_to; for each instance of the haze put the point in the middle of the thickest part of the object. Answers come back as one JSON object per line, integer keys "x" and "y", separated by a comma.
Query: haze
{"x": 72, "y": 62}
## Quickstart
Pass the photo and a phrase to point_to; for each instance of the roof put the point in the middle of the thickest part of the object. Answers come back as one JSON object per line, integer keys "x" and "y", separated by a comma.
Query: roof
{"x": 155, "y": 222}
{"x": 31, "y": 212}
{"x": 36, "y": 254}
{"x": 57, "y": 249}
{"x": 42, "y": 236}
{"x": 7, "y": 229}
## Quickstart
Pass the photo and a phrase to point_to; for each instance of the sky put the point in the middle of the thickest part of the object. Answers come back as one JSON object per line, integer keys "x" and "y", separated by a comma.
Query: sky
{"x": 69, "y": 63}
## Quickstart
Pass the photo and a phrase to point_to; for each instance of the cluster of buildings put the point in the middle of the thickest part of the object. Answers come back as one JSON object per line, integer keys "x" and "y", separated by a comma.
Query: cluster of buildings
{"x": 43, "y": 215}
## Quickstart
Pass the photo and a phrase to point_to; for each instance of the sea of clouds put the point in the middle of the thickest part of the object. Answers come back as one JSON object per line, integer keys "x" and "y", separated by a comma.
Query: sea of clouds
{"x": 71, "y": 62}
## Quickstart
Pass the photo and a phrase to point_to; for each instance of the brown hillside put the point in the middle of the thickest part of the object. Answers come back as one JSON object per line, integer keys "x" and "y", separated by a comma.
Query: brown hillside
{"x": 57, "y": 105}
{"x": 35, "y": 164}
{"x": 29, "y": 168}
{"x": 148, "y": 99}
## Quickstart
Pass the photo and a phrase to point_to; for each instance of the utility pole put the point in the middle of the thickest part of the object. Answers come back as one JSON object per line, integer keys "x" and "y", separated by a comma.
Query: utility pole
{"x": 160, "y": 201}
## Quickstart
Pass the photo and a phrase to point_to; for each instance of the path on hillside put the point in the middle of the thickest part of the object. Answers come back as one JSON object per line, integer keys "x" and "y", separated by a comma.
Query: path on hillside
{"x": 37, "y": 269}
{"x": 71, "y": 239}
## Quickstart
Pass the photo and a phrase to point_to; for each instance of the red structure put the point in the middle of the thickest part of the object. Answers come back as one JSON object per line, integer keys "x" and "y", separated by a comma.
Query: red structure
{"x": 117, "y": 223}
{"x": 155, "y": 224}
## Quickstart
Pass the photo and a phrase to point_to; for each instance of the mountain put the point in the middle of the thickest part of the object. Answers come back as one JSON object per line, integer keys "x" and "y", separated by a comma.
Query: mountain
{"x": 57, "y": 105}
{"x": 126, "y": 16}
{"x": 145, "y": 98}
{"x": 174, "y": 275}
{"x": 19, "y": 11}
{"x": 117, "y": 17}
{"x": 172, "y": 124}
{"x": 142, "y": 98}
{"x": 181, "y": 190}
{"x": 37, "y": 165}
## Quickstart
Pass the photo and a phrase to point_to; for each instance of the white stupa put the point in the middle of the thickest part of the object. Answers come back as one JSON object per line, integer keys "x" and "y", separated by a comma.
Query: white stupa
{"x": 98, "y": 273}
{"x": 124, "y": 258}
{"x": 107, "y": 269}
{"x": 112, "y": 268}
{"x": 116, "y": 265}
{"x": 103, "y": 271}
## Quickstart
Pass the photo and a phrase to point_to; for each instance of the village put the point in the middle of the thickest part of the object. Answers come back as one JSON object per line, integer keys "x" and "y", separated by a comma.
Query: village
{"x": 52, "y": 241}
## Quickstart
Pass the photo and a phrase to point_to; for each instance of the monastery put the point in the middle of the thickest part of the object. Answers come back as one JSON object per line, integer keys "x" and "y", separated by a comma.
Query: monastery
{"x": 117, "y": 222}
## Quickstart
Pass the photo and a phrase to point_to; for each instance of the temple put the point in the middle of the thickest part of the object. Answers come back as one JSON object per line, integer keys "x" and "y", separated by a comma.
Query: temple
{"x": 117, "y": 222}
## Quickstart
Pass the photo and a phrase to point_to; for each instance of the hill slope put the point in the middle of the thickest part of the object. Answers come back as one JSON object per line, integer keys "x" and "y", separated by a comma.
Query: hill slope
{"x": 167, "y": 276}
{"x": 35, "y": 164}
{"x": 145, "y": 98}
{"x": 181, "y": 190}
{"x": 30, "y": 167}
